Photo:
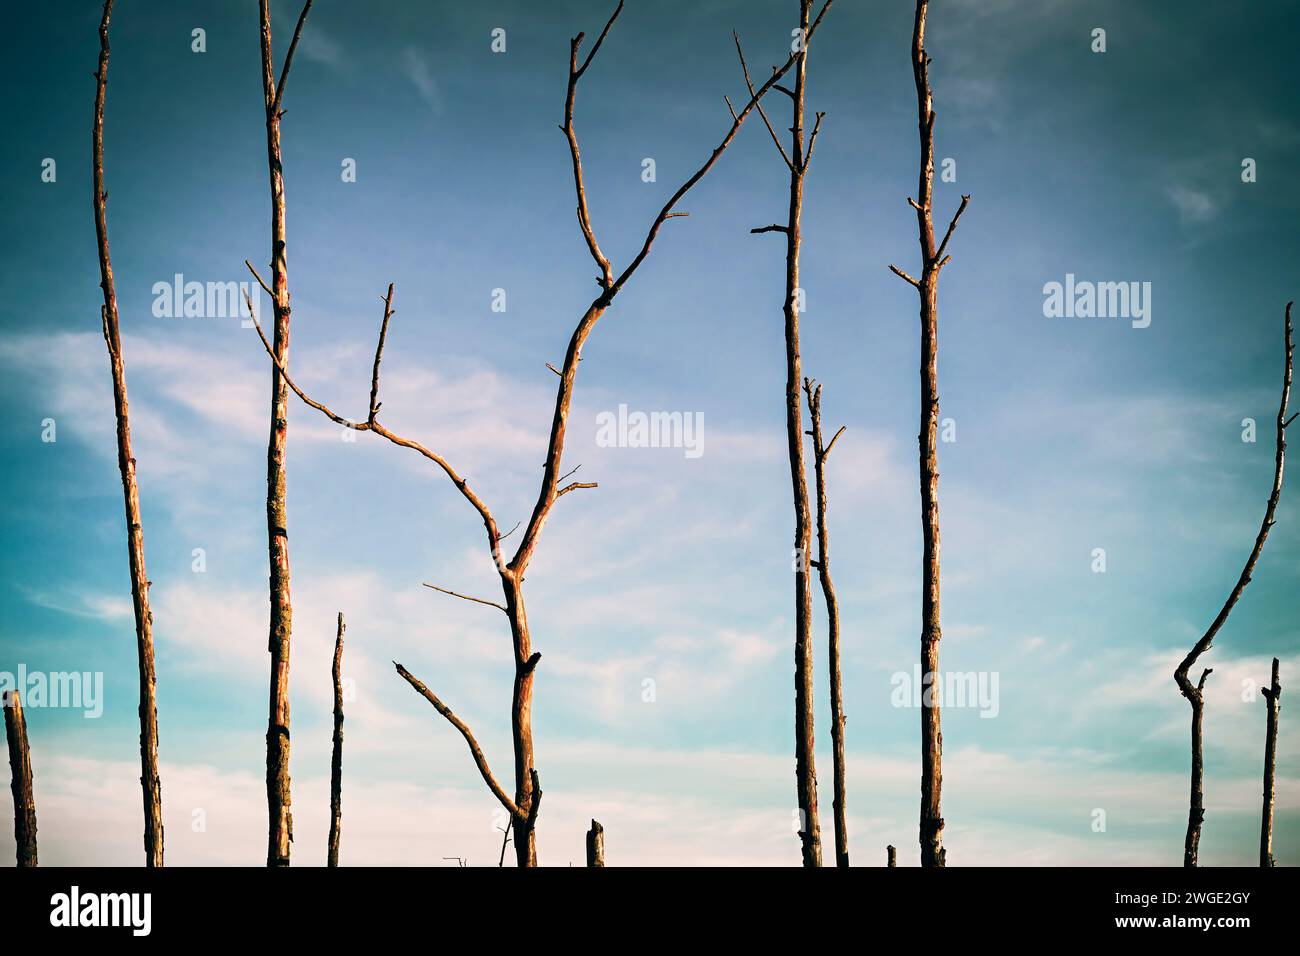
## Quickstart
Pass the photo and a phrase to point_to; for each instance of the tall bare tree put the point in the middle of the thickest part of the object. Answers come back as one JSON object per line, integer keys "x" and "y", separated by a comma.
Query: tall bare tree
{"x": 523, "y": 805}
{"x": 796, "y": 161}
{"x": 20, "y": 768}
{"x": 821, "y": 452}
{"x": 1273, "y": 696}
{"x": 1195, "y": 693}
{"x": 336, "y": 760}
{"x": 150, "y": 784}
{"x": 279, "y": 813}
{"x": 933, "y": 259}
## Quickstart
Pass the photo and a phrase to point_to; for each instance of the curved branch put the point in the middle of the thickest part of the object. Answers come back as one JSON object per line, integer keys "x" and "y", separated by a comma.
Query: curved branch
{"x": 475, "y": 751}
{"x": 1181, "y": 674}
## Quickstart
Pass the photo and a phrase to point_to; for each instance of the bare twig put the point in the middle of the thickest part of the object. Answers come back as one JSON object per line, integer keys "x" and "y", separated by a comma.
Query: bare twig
{"x": 466, "y": 597}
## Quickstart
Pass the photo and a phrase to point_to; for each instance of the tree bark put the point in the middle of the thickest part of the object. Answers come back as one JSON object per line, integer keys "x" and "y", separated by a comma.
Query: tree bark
{"x": 1273, "y": 697}
{"x": 596, "y": 845}
{"x": 932, "y": 262}
{"x": 797, "y": 163}
{"x": 1195, "y": 694}
{"x": 279, "y": 814}
{"x": 336, "y": 761}
{"x": 821, "y": 452}
{"x": 150, "y": 784}
{"x": 20, "y": 766}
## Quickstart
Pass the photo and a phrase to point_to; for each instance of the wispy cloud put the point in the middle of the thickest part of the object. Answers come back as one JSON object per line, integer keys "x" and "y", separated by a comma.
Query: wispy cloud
{"x": 416, "y": 68}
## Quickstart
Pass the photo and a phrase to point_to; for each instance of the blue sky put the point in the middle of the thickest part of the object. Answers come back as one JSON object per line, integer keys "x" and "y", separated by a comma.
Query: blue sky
{"x": 1072, "y": 434}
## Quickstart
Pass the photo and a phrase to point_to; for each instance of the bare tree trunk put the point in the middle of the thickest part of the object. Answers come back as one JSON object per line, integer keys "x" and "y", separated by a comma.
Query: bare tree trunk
{"x": 280, "y": 817}
{"x": 1273, "y": 695}
{"x": 596, "y": 845}
{"x": 932, "y": 262}
{"x": 820, "y": 453}
{"x": 150, "y": 784}
{"x": 336, "y": 761}
{"x": 20, "y": 766}
{"x": 891, "y": 856}
{"x": 523, "y": 806}
{"x": 1195, "y": 694}
{"x": 797, "y": 162}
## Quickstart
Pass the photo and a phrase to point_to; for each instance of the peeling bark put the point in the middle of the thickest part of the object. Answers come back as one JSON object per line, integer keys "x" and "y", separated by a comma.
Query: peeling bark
{"x": 150, "y": 784}
{"x": 336, "y": 760}
{"x": 1195, "y": 694}
{"x": 20, "y": 767}
{"x": 1273, "y": 697}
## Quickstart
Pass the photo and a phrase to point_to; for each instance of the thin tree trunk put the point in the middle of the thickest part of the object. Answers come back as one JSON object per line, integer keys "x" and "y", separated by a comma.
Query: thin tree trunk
{"x": 150, "y": 784}
{"x": 279, "y": 815}
{"x": 932, "y": 262}
{"x": 820, "y": 453}
{"x": 1273, "y": 695}
{"x": 804, "y": 739}
{"x": 891, "y": 856}
{"x": 596, "y": 845}
{"x": 1195, "y": 694}
{"x": 336, "y": 761}
{"x": 20, "y": 766}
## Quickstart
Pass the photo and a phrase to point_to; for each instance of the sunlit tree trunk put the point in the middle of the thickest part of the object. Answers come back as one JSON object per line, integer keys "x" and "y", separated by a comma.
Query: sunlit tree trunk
{"x": 150, "y": 784}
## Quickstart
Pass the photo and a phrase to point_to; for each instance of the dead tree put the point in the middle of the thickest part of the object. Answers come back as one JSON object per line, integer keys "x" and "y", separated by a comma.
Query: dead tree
{"x": 279, "y": 814}
{"x": 336, "y": 761}
{"x": 1273, "y": 695}
{"x": 820, "y": 453}
{"x": 796, "y": 161}
{"x": 596, "y": 845}
{"x": 1195, "y": 693}
{"x": 522, "y": 805}
{"x": 150, "y": 784}
{"x": 20, "y": 766}
{"x": 933, "y": 258}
